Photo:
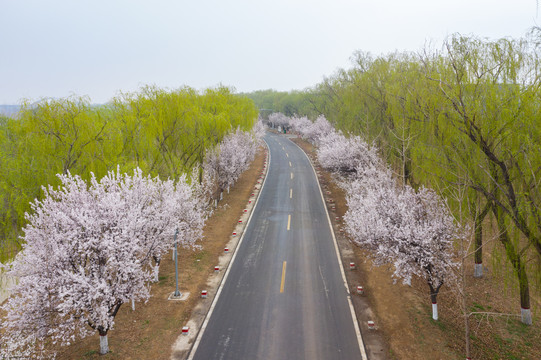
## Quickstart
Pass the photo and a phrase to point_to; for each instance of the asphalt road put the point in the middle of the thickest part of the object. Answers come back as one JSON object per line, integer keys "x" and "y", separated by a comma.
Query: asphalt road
{"x": 284, "y": 297}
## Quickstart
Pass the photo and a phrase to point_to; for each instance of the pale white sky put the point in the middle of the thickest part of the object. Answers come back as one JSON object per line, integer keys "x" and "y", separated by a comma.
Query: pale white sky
{"x": 55, "y": 48}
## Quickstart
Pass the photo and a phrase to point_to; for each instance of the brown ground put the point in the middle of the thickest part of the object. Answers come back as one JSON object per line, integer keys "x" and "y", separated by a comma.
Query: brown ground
{"x": 150, "y": 331}
{"x": 403, "y": 313}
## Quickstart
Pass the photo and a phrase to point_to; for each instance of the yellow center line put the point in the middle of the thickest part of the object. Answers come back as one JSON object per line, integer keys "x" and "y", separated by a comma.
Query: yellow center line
{"x": 291, "y": 193}
{"x": 292, "y": 176}
{"x": 283, "y": 277}
{"x": 290, "y": 164}
{"x": 287, "y": 154}
{"x": 288, "y": 221}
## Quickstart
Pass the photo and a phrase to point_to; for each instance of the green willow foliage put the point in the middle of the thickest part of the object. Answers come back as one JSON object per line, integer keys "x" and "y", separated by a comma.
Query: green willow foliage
{"x": 163, "y": 132}
{"x": 288, "y": 103}
{"x": 463, "y": 120}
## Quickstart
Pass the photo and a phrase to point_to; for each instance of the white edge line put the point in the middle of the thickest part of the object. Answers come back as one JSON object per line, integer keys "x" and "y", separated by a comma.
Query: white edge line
{"x": 222, "y": 283}
{"x": 351, "y": 308}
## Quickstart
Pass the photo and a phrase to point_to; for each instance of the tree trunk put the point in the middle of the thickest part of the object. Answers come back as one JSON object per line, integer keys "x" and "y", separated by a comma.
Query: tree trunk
{"x": 478, "y": 270}
{"x": 526, "y": 316}
{"x": 525, "y": 311}
{"x": 104, "y": 344}
{"x": 465, "y": 312}
{"x": 478, "y": 254}
{"x": 156, "y": 271}
{"x": 434, "y": 310}
{"x": 433, "y": 297}
{"x": 518, "y": 264}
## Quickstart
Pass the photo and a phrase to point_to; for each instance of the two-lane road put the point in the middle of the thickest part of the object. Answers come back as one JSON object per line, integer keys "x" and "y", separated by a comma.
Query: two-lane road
{"x": 285, "y": 296}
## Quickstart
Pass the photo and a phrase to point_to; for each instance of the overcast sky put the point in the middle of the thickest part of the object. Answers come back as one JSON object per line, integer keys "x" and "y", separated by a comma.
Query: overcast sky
{"x": 100, "y": 47}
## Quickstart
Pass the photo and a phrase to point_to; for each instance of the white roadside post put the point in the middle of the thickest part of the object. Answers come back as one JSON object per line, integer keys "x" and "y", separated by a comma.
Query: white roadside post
{"x": 177, "y": 293}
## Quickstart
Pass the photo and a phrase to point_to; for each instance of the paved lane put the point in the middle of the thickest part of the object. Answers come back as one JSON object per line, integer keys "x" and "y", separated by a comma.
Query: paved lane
{"x": 284, "y": 297}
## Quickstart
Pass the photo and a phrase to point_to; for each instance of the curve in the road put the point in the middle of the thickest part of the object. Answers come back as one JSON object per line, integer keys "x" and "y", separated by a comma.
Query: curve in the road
{"x": 284, "y": 295}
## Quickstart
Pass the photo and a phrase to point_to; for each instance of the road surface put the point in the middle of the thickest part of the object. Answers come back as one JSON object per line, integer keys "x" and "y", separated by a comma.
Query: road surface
{"x": 284, "y": 297}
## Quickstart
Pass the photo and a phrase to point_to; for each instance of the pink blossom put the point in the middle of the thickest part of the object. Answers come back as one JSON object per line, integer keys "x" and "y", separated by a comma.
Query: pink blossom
{"x": 87, "y": 250}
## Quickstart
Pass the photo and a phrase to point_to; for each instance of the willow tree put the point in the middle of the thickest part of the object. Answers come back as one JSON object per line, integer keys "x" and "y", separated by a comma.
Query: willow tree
{"x": 490, "y": 90}
{"x": 49, "y": 137}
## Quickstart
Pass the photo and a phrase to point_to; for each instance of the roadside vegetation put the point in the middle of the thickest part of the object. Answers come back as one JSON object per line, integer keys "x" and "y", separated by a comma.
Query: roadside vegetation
{"x": 164, "y": 133}
{"x": 93, "y": 236}
{"x": 461, "y": 121}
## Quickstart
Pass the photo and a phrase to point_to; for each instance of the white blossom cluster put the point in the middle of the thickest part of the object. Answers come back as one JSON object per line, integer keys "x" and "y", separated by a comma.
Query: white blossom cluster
{"x": 227, "y": 161}
{"x": 311, "y": 131}
{"x": 90, "y": 247}
{"x": 279, "y": 119}
{"x": 87, "y": 250}
{"x": 411, "y": 229}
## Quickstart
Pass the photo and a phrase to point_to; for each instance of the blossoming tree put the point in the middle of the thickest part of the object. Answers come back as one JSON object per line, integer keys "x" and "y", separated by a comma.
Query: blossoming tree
{"x": 231, "y": 158}
{"x": 410, "y": 229}
{"x": 87, "y": 251}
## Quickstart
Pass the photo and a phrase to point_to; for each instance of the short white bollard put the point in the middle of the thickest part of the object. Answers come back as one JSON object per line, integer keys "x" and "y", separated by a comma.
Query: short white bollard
{"x": 204, "y": 294}
{"x": 333, "y": 208}
{"x": 240, "y": 220}
{"x": 360, "y": 290}
{"x": 216, "y": 269}
{"x": 371, "y": 325}
{"x": 234, "y": 234}
{"x": 185, "y": 330}
{"x": 245, "y": 210}
{"x": 352, "y": 266}
{"x": 226, "y": 250}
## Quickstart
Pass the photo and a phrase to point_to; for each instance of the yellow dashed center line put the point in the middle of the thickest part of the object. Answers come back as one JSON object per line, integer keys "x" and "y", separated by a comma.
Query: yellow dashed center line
{"x": 282, "y": 284}
{"x": 291, "y": 193}
{"x": 291, "y": 176}
{"x": 290, "y": 164}
{"x": 287, "y": 154}
{"x": 288, "y": 221}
